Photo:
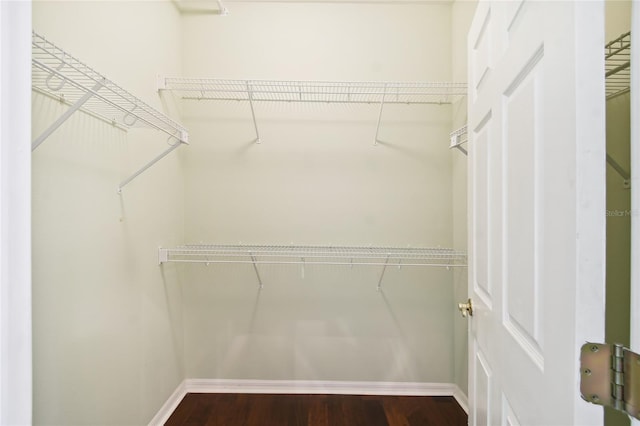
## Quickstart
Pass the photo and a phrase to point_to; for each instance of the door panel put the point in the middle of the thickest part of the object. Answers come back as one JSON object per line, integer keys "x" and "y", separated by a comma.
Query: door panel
{"x": 481, "y": 280}
{"x": 536, "y": 114}
{"x": 483, "y": 383}
{"x": 523, "y": 173}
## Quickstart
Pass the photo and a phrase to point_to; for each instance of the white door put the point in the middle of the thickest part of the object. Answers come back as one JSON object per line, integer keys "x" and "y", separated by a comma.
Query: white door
{"x": 537, "y": 217}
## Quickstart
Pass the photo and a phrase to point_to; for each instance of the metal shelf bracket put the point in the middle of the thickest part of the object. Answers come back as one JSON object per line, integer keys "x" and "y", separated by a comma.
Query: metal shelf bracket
{"x": 182, "y": 140}
{"x": 255, "y": 268}
{"x": 457, "y": 138}
{"x": 384, "y": 93}
{"x": 626, "y": 176}
{"x": 68, "y": 113}
{"x": 384, "y": 269}
{"x": 253, "y": 113}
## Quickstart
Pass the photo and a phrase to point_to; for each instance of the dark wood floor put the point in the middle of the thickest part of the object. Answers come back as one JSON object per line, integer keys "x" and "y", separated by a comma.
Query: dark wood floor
{"x": 316, "y": 410}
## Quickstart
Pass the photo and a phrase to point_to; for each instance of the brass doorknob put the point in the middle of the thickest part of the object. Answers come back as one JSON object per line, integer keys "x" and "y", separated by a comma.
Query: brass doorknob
{"x": 466, "y": 309}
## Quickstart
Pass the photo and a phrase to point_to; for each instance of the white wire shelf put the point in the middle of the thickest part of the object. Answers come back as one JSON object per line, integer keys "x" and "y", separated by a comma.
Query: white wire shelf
{"x": 459, "y": 137}
{"x": 57, "y": 74}
{"x": 617, "y": 54}
{"x": 338, "y": 92}
{"x": 315, "y": 91}
{"x": 313, "y": 255}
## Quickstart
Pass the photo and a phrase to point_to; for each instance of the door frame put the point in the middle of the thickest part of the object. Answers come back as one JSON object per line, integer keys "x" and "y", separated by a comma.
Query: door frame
{"x": 635, "y": 185}
{"x": 15, "y": 213}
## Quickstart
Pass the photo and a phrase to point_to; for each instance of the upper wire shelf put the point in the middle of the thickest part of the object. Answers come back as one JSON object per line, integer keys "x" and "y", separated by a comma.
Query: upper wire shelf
{"x": 340, "y": 92}
{"x": 310, "y": 255}
{"x": 59, "y": 75}
{"x": 315, "y": 91}
{"x": 617, "y": 54}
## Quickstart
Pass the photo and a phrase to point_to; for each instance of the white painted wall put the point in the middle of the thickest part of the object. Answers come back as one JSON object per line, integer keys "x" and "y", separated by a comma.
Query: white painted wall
{"x": 108, "y": 337}
{"x": 317, "y": 178}
{"x": 15, "y": 214}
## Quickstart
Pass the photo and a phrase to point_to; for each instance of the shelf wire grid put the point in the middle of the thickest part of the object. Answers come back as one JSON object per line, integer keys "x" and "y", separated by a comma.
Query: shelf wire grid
{"x": 458, "y": 137}
{"x": 617, "y": 54}
{"x": 317, "y": 91}
{"x": 318, "y": 255}
{"x": 61, "y": 76}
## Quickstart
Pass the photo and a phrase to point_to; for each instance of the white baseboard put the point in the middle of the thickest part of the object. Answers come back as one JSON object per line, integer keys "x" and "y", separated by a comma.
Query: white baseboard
{"x": 461, "y": 398}
{"x": 306, "y": 387}
{"x": 318, "y": 387}
{"x": 169, "y": 406}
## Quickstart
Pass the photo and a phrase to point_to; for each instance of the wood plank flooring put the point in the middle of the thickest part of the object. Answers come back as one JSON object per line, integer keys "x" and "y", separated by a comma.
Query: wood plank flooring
{"x": 316, "y": 410}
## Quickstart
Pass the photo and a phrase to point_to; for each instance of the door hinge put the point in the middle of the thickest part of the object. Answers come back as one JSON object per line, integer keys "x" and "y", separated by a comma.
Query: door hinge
{"x": 610, "y": 376}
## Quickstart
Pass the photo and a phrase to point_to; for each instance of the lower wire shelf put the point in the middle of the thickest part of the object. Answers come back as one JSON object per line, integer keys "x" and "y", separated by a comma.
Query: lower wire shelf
{"x": 314, "y": 255}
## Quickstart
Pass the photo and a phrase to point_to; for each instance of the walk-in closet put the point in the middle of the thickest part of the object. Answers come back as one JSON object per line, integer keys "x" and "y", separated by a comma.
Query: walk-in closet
{"x": 299, "y": 230}
{"x": 263, "y": 196}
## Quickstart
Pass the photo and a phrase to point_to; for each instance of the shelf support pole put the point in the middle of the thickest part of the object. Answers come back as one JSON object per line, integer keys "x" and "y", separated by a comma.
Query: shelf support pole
{"x": 384, "y": 268}
{"x": 457, "y": 143}
{"x": 255, "y": 268}
{"x": 149, "y": 164}
{"x": 384, "y": 93}
{"x": 222, "y": 10}
{"x": 73, "y": 108}
{"x": 253, "y": 113}
{"x": 621, "y": 171}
